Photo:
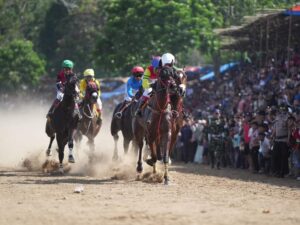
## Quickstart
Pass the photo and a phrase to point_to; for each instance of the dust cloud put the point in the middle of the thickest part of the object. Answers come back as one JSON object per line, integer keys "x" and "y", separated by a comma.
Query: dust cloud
{"x": 23, "y": 137}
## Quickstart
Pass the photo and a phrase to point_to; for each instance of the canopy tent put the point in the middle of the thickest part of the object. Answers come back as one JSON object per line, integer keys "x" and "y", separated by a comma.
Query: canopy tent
{"x": 294, "y": 11}
{"x": 223, "y": 69}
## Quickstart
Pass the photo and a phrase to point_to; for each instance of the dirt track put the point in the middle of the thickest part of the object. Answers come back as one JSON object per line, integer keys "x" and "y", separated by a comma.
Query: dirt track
{"x": 197, "y": 195}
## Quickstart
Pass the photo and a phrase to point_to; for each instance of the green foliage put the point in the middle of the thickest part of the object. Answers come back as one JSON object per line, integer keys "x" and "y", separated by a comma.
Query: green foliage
{"x": 22, "y": 19}
{"x": 135, "y": 30}
{"x": 19, "y": 65}
{"x": 111, "y": 36}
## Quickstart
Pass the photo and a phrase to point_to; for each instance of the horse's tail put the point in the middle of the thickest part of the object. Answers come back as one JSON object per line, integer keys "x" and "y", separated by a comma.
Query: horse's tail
{"x": 114, "y": 126}
{"x": 49, "y": 129}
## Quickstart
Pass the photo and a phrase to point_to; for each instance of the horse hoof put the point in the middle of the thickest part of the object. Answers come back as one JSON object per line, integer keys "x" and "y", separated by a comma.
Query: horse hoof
{"x": 61, "y": 171}
{"x": 115, "y": 158}
{"x": 48, "y": 152}
{"x": 166, "y": 182}
{"x": 139, "y": 169}
{"x": 150, "y": 162}
{"x": 71, "y": 159}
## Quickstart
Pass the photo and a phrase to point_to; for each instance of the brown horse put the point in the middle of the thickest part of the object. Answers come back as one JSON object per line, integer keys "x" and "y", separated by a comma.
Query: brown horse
{"x": 63, "y": 121}
{"x": 123, "y": 124}
{"x": 88, "y": 125}
{"x": 177, "y": 106}
{"x": 156, "y": 125}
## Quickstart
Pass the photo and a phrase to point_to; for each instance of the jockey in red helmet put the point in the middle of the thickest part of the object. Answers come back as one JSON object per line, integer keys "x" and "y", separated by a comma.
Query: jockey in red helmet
{"x": 133, "y": 86}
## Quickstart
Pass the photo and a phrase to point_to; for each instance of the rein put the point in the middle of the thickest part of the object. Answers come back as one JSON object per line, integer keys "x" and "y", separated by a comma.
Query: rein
{"x": 90, "y": 117}
{"x": 161, "y": 110}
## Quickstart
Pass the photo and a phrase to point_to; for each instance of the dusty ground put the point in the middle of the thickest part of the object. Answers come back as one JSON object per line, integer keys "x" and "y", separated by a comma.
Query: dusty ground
{"x": 111, "y": 195}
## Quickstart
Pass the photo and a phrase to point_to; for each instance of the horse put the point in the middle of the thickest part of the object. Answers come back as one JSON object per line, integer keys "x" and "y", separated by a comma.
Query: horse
{"x": 63, "y": 122}
{"x": 177, "y": 107}
{"x": 156, "y": 125}
{"x": 88, "y": 125}
{"x": 123, "y": 124}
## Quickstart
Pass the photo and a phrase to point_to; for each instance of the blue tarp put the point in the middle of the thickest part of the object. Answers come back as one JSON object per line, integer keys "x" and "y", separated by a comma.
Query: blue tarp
{"x": 223, "y": 69}
{"x": 118, "y": 91}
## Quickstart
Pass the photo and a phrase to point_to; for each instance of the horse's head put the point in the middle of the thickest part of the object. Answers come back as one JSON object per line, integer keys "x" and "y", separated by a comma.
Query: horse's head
{"x": 71, "y": 88}
{"x": 181, "y": 81}
{"x": 166, "y": 80}
{"x": 91, "y": 92}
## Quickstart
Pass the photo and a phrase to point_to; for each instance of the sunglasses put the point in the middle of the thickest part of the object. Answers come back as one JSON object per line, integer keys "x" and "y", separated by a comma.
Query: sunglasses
{"x": 138, "y": 75}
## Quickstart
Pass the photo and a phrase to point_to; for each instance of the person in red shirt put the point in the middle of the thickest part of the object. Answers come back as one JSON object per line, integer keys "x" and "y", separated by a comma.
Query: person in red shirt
{"x": 67, "y": 70}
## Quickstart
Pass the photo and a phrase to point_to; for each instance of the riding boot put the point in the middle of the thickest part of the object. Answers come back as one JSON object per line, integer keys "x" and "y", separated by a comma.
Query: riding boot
{"x": 142, "y": 103}
{"x": 53, "y": 107}
{"x": 99, "y": 119}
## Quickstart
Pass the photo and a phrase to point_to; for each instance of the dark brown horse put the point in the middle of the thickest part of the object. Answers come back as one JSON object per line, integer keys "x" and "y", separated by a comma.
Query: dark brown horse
{"x": 123, "y": 124}
{"x": 177, "y": 106}
{"x": 88, "y": 125}
{"x": 156, "y": 125}
{"x": 63, "y": 121}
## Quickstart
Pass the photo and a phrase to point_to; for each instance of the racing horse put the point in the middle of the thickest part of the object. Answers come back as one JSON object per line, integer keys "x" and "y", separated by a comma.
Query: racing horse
{"x": 156, "y": 125}
{"x": 123, "y": 123}
{"x": 88, "y": 125}
{"x": 63, "y": 121}
{"x": 177, "y": 106}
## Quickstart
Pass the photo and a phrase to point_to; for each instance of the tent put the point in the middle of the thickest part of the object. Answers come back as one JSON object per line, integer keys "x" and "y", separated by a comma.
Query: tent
{"x": 294, "y": 11}
{"x": 223, "y": 69}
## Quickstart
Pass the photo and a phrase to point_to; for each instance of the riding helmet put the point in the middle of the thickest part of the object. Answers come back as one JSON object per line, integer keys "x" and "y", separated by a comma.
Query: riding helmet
{"x": 167, "y": 58}
{"x": 68, "y": 64}
{"x": 89, "y": 72}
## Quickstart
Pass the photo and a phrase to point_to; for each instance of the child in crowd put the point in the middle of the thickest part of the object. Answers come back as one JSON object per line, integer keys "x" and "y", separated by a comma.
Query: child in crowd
{"x": 264, "y": 153}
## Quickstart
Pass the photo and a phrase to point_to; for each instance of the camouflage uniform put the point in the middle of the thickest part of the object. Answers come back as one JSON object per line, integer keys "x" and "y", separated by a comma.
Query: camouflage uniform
{"x": 215, "y": 133}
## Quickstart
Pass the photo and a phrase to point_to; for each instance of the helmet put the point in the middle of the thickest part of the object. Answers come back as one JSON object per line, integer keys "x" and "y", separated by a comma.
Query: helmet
{"x": 67, "y": 64}
{"x": 155, "y": 61}
{"x": 137, "y": 70}
{"x": 167, "y": 58}
{"x": 89, "y": 72}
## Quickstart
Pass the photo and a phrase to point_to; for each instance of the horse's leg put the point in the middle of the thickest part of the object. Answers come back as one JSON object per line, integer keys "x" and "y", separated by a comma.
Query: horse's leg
{"x": 91, "y": 145}
{"x": 126, "y": 145}
{"x": 71, "y": 145}
{"x": 61, "y": 146}
{"x": 165, "y": 146}
{"x": 115, "y": 155}
{"x": 51, "y": 133}
{"x": 140, "y": 145}
{"x": 152, "y": 161}
{"x": 48, "y": 152}
{"x": 138, "y": 140}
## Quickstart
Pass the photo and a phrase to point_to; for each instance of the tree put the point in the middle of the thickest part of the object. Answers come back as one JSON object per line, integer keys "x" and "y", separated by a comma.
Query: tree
{"x": 19, "y": 65}
{"x": 135, "y": 30}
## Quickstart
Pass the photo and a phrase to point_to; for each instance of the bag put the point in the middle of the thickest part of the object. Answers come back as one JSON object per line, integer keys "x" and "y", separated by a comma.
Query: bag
{"x": 199, "y": 154}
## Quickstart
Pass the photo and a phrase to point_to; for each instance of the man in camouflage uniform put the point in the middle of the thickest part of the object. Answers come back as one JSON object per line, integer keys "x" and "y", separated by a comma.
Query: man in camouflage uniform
{"x": 215, "y": 136}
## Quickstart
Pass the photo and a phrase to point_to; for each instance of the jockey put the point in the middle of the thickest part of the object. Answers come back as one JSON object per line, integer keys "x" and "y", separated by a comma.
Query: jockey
{"x": 66, "y": 72}
{"x": 166, "y": 64}
{"x": 149, "y": 79}
{"x": 89, "y": 79}
{"x": 133, "y": 86}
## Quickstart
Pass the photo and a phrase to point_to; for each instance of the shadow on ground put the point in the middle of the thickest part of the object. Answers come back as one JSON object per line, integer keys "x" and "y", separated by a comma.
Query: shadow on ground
{"x": 237, "y": 174}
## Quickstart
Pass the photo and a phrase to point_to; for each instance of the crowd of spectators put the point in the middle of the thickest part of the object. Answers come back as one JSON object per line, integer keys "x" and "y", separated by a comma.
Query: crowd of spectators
{"x": 260, "y": 110}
